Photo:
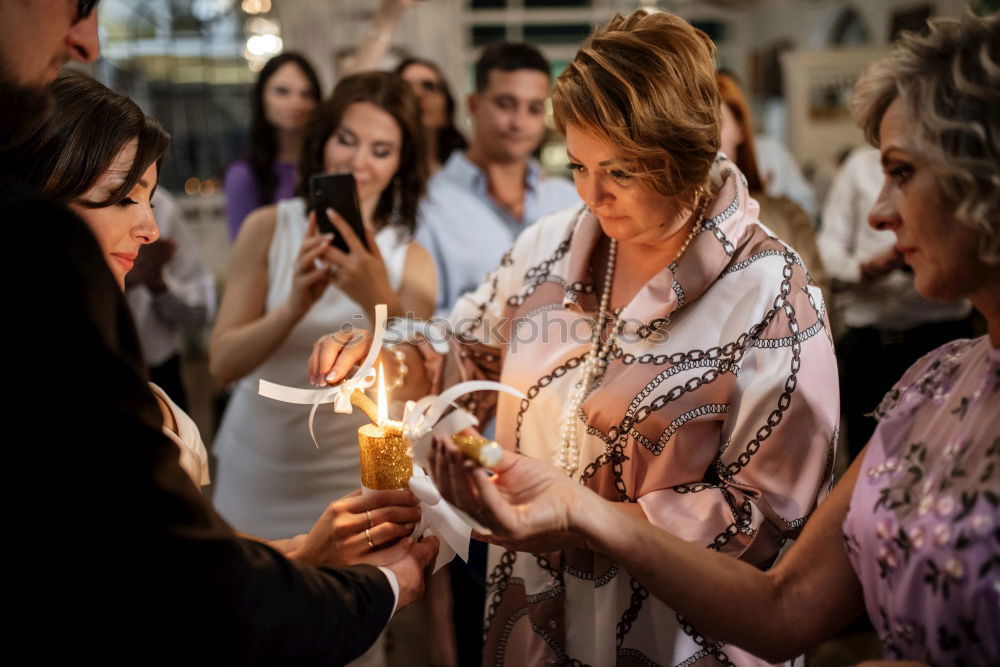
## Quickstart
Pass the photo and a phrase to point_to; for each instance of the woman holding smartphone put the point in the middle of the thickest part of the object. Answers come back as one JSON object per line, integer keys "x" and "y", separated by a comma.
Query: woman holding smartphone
{"x": 288, "y": 284}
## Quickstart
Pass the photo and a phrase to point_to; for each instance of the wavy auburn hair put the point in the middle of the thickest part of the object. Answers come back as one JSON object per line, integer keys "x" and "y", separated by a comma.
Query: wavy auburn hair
{"x": 948, "y": 81}
{"x": 399, "y": 201}
{"x": 89, "y": 126}
{"x": 646, "y": 82}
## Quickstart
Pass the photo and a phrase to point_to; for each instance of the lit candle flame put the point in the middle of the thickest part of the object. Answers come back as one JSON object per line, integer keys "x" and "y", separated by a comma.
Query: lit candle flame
{"x": 383, "y": 403}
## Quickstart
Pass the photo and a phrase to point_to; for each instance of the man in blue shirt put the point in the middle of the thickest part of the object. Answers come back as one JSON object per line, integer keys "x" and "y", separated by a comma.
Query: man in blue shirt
{"x": 484, "y": 197}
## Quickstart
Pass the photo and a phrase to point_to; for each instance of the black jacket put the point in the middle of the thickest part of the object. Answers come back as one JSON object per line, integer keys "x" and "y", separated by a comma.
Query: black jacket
{"x": 116, "y": 556}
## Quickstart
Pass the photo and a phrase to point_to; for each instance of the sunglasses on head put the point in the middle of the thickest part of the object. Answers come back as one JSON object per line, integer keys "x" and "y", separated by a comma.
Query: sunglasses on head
{"x": 84, "y": 8}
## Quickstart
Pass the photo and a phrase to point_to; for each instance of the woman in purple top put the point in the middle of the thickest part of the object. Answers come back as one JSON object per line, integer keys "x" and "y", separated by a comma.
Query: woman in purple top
{"x": 285, "y": 96}
{"x": 912, "y": 530}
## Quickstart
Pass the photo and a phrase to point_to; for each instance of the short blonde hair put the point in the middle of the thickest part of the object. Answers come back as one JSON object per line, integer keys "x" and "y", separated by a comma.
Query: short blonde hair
{"x": 948, "y": 81}
{"x": 646, "y": 82}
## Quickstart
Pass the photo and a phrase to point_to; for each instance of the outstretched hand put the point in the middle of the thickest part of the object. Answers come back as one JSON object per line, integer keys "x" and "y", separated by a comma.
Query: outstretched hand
{"x": 527, "y": 503}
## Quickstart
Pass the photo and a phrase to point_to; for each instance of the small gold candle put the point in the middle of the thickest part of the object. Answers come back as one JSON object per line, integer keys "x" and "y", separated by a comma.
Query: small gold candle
{"x": 384, "y": 452}
{"x": 485, "y": 452}
{"x": 385, "y": 463}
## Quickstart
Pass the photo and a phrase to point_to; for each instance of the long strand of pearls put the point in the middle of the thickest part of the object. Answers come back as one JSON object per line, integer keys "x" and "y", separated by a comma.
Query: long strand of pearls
{"x": 593, "y": 366}
{"x": 596, "y": 361}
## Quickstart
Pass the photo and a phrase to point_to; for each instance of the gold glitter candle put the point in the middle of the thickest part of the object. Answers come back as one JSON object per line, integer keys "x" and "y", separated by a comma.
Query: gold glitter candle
{"x": 385, "y": 463}
{"x": 484, "y": 452}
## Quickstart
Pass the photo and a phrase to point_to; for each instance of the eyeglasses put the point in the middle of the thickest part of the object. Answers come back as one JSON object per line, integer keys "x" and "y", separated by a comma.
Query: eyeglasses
{"x": 84, "y": 8}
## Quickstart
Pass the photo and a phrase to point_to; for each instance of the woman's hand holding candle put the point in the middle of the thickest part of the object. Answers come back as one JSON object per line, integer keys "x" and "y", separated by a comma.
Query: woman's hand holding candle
{"x": 360, "y": 529}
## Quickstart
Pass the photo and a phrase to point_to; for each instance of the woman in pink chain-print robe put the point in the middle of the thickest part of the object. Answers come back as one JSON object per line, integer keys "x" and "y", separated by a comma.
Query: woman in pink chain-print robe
{"x": 717, "y": 415}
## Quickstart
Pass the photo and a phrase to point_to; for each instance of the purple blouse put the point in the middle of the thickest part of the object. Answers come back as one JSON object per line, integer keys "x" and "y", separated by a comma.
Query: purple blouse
{"x": 923, "y": 529}
{"x": 242, "y": 195}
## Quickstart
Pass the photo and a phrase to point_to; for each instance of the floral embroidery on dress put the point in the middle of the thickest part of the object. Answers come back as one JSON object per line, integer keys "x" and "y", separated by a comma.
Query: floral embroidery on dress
{"x": 923, "y": 530}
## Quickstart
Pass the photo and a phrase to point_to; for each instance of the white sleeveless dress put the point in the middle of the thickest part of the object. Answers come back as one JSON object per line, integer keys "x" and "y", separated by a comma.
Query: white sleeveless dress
{"x": 271, "y": 480}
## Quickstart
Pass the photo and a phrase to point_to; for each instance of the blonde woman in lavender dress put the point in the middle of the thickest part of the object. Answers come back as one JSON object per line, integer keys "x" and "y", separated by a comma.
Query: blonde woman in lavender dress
{"x": 912, "y": 531}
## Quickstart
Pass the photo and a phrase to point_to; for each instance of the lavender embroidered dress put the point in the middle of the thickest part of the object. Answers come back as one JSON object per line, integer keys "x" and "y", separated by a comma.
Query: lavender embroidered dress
{"x": 923, "y": 529}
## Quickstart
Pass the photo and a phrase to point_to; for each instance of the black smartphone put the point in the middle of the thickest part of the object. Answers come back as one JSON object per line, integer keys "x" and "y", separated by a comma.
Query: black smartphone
{"x": 339, "y": 192}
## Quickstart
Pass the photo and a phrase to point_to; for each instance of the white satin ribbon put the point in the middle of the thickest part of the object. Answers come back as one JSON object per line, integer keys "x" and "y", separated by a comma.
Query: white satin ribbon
{"x": 339, "y": 394}
{"x": 422, "y": 419}
{"x": 421, "y": 422}
{"x": 438, "y": 518}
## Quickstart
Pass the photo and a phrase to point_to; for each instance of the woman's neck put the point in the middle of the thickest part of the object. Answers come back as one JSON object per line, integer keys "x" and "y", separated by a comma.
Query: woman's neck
{"x": 987, "y": 301}
{"x": 290, "y": 145}
{"x": 636, "y": 264}
{"x": 368, "y": 214}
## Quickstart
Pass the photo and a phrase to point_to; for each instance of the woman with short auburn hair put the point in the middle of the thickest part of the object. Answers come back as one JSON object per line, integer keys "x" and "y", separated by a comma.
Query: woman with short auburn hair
{"x": 673, "y": 356}
{"x": 910, "y": 532}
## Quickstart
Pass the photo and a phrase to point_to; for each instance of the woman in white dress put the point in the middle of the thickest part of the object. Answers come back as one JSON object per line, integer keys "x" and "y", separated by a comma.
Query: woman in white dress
{"x": 287, "y": 285}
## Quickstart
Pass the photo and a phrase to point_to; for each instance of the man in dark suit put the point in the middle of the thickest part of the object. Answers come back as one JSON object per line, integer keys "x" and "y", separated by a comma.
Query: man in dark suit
{"x": 117, "y": 555}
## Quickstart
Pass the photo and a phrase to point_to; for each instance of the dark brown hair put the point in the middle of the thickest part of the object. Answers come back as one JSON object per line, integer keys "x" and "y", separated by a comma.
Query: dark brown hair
{"x": 646, "y": 82}
{"x": 509, "y": 57}
{"x": 746, "y": 152}
{"x": 390, "y": 93}
{"x": 449, "y": 139}
{"x": 263, "y": 150}
{"x": 89, "y": 126}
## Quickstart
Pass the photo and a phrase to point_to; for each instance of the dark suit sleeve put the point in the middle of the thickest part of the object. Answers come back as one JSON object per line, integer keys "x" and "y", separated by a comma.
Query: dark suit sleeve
{"x": 119, "y": 557}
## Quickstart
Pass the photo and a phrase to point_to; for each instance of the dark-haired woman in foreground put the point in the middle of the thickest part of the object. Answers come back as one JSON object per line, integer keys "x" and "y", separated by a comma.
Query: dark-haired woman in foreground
{"x": 99, "y": 155}
{"x": 912, "y": 531}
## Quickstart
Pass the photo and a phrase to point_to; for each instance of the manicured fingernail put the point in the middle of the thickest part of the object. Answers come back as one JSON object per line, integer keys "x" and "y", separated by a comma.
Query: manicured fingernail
{"x": 331, "y": 376}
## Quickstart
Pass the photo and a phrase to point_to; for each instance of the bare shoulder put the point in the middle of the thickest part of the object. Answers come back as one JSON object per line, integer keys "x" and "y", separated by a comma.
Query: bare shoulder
{"x": 256, "y": 232}
{"x": 417, "y": 257}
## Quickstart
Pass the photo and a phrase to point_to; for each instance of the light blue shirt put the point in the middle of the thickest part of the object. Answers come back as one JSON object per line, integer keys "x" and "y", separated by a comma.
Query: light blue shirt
{"x": 467, "y": 231}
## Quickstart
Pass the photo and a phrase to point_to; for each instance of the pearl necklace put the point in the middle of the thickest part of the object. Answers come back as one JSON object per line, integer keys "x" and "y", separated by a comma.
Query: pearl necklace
{"x": 596, "y": 361}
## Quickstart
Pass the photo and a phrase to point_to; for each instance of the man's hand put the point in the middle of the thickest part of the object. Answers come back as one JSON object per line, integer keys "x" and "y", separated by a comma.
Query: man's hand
{"x": 410, "y": 569}
{"x": 525, "y": 499}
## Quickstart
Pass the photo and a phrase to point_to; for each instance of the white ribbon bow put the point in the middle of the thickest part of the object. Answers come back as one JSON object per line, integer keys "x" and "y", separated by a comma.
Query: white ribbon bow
{"x": 421, "y": 420}
{"x": 339, "y": 394}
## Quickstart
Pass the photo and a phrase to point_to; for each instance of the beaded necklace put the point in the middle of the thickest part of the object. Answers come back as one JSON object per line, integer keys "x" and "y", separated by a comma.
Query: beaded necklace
{"x": 596, "y": 361}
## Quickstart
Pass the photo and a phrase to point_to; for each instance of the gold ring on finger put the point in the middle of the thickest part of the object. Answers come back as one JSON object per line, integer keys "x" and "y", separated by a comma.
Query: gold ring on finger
{"x": 368, "y": 513}
{"x": 368, "y": 536}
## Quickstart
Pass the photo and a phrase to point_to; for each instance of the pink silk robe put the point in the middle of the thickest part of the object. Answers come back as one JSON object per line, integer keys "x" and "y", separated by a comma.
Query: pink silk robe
{"x": 718, "y": 414}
